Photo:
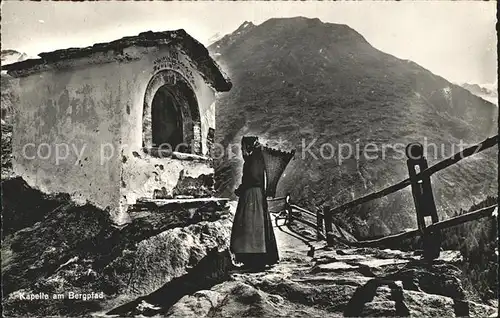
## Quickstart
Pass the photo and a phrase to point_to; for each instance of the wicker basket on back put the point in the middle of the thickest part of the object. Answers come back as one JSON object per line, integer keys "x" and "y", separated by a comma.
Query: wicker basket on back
{"x": 276, "y": 161}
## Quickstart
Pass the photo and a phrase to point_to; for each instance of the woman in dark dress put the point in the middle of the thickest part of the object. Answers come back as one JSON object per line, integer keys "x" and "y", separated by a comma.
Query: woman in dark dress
{"x": 252, "y": 239}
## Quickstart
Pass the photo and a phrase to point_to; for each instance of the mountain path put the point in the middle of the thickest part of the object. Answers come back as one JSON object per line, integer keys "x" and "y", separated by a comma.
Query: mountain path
{"x": 337, "y": 282}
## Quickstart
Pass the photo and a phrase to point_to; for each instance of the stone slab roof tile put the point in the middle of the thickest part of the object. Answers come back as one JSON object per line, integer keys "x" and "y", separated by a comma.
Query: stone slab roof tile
{"x": 196, "y": 51}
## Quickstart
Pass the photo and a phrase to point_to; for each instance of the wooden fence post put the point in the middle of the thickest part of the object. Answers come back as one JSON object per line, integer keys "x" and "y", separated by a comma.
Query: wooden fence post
{"x": 424, "y": 200}
{"x": 319, "y": 225}
{"x": 328, "y": 217}
{"x": 288, "y": 209}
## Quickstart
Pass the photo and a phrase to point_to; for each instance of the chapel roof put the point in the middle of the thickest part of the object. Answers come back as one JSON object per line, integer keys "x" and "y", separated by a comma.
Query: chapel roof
{"x": 196, "y": 51}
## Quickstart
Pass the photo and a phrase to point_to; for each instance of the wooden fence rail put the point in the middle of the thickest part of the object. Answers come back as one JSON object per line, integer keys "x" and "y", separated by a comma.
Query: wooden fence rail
{"x": 471, "y": 216}
{"x": 475, "y": 215}
{"x": 324, "y": 219}
{"x": 488, "y": 143}
{"x": 296, "y": 207}
{"x": 306, "y": 222}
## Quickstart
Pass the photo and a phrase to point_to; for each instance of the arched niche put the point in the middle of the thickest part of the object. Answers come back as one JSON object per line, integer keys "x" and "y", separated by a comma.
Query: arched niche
{"x": 171, "y": 114}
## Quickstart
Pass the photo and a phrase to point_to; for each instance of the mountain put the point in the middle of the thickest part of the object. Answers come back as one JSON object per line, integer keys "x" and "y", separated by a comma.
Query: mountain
{"x": 8, "y": 95}
{"x": 214, "y": 38}
{"x": 488, "y": 92}
{"x": 299, "y": 80}
{"x": 12, "y": 56}
{"x": 230, "y": 39}
{"x": 225, "y": 40}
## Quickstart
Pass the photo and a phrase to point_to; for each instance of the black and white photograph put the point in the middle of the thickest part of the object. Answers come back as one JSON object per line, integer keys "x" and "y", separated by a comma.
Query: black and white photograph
{"x": 249, "y": 159}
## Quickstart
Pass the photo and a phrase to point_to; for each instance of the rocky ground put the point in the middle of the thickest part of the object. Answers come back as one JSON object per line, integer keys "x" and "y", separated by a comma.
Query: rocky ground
{"x": 6, "y": 151}
{"x": 52, "y": 246}
{"x": 175, "y": 263}
{"x": 334, "y": 282}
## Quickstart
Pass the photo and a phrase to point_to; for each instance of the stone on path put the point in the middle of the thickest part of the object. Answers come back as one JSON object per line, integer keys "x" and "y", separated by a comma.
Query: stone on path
{"x": 383, "y": 283}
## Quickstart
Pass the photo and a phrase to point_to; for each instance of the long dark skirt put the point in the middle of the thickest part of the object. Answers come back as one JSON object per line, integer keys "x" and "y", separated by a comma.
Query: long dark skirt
{"x": 252, "y": 238}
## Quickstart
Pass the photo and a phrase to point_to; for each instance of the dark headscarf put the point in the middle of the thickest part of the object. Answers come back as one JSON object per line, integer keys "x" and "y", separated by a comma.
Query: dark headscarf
{"x": 248, "y": 145}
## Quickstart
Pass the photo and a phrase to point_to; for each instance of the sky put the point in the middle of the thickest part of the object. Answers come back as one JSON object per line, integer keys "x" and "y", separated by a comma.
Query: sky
{"x": 456, "y": 40}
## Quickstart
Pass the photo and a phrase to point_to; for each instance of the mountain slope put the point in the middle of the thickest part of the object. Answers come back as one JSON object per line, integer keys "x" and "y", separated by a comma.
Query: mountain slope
{"x": 9, "y": 97}
{"x": 12, "y": 56}
{"x": 488, "y": 92}
{"x": 297, "y": 80}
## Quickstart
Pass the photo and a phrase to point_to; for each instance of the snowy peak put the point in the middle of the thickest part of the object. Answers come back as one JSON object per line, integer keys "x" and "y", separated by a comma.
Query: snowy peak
{"x": 245, "y": 25}
{"x": 487, "y": 91}
{"x": 12, "y": 56}
{"x": 228, "y": 39}
{"x": 214, "y": 38}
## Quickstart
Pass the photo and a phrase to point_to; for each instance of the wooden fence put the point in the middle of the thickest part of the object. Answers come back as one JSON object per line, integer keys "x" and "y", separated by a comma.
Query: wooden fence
{"x": 424, "y": 202}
